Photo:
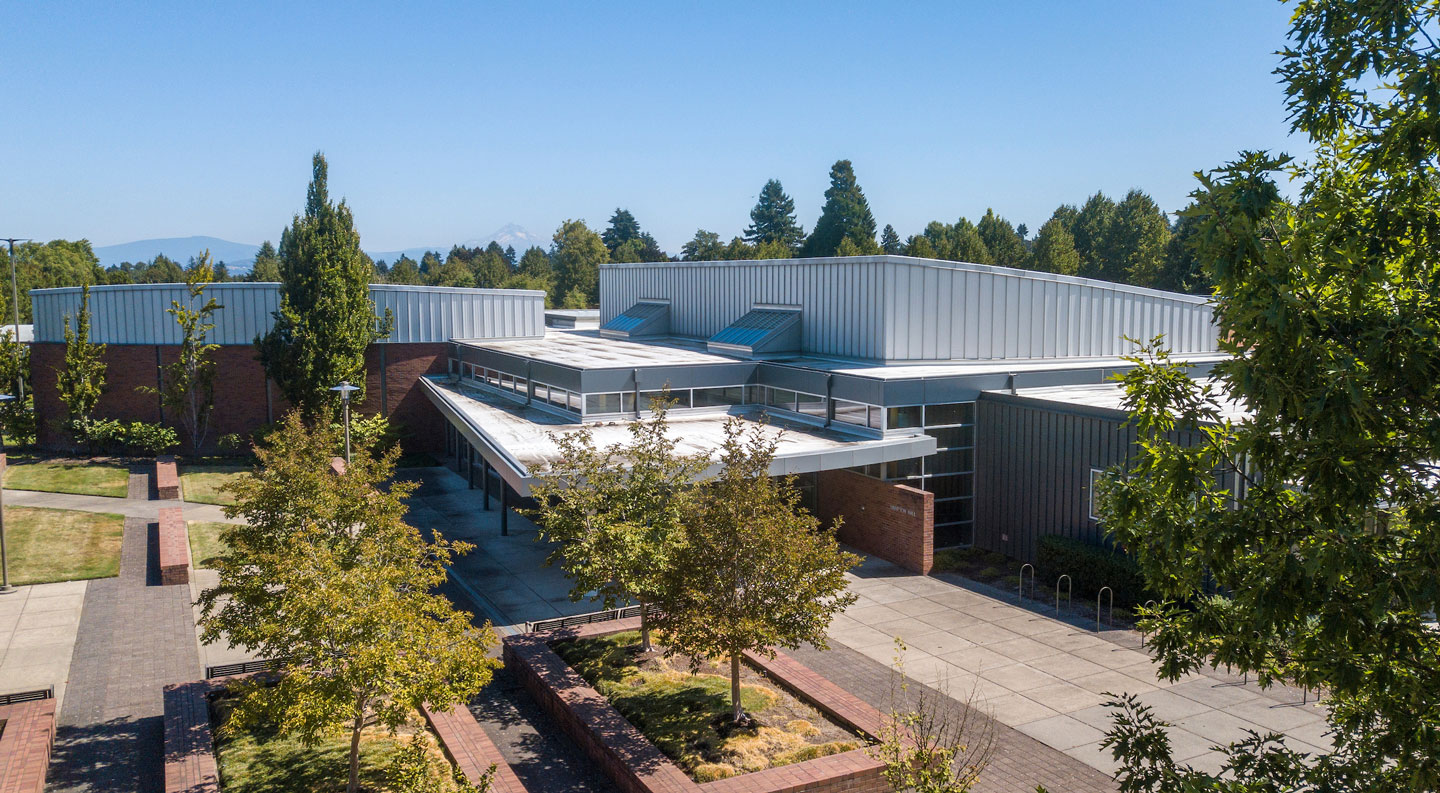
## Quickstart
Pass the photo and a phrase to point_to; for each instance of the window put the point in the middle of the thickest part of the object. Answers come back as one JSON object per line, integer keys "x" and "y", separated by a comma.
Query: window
{"x": 542, "y": 392}
{"x": 507, "y": 382}
{"x": 780, "y": 398}
{"x": 955, "y": 510}
{"x": 948, "y": 414}
{"x": 755, "y": 394}
{"x": 718, "y": 397}
{"x": 811, "y": 405}
{"x": 850, "y": 412}
{"x": 522, "y": 386}
{"x": 492, "y": 378}
{"x": 951, "y": 535}
{"x": 953, "y": 437}
{"x": 1095, "y": 476}
{"x": 950, "y": 462}
{"x": 951, "y": 485}
{"x": 902, "y": 469}
{"x": 602, "y": 403}
{"x": 627, "y": 401}
{"x": 903, "y": 417}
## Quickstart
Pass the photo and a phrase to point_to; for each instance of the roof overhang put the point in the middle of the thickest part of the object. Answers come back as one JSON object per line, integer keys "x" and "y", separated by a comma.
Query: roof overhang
{"x": 520, "y": 441}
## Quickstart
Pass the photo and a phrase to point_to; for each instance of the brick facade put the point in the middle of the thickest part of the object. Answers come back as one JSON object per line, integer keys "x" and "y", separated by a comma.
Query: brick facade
{"x": 27, "y": 734}
{"x": 892, "y": 521}
{"x": 245, "y": 398}
{"x": 635, "y": 765}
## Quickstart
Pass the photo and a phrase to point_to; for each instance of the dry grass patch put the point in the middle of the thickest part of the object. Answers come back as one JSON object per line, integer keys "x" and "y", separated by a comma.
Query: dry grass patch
{"x": 47, "y": 545}
{"x": 80, "y": 477}
{"x": 204, "y": 484}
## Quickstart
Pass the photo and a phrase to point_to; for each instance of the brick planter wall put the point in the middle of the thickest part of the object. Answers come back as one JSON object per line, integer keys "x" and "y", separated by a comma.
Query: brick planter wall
{"x": 25, "y": 742}
{"x": 167, "y": 478}
{"x": 635, "y": 765}
{"x": 174, "y": 548}
{"x": 892, "y": 521}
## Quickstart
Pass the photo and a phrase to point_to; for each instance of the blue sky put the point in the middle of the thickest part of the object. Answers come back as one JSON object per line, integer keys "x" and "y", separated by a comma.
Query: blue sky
{"x": 444, "y": 121}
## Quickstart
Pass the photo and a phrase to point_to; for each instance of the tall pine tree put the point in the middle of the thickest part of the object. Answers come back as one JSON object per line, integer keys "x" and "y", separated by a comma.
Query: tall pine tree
{"x": 326, "y": 319}
{"x": 889, "y": 240}
{"x": 846, "y": 214}
{"x": 773, "y": 218}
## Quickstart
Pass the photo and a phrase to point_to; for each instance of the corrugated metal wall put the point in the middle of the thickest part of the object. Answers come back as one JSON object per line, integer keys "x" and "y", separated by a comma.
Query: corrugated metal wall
{"x": 895, "y": 308}
{"x": 136, "y": 313}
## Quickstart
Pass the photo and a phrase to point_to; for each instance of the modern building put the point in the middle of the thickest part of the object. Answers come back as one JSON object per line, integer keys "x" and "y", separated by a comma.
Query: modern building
{"x": 932, "y": 404}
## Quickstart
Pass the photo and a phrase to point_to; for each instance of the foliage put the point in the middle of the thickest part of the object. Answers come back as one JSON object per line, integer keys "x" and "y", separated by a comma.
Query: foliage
{"x": 404, "y": 271}
{"x": 1183, "y": 271}
{"x": 1091, "y": 568}
{"x": 82, "y": 381}
{"x": 326, "y": 574}
{"x": 135, "y": 438}
{"x": 373, "y": 433}
{"x": 49, "y": 264}
{"x": 1054, "y": 250}
{"x": 189, "y": 383}
{"x": 1004, "y": 245}
{"x": 1092, "y": 228}
{"x": 756, "y": 571}
{"x": 958, "y": 242}
{"x": 705, "y": 246}
{"x": 326, "y": 319}
{"x": 576, "y": 254}
{"x": 617, "y": 514}
{"x": 890, "y": 241}
{"x": 927, "y": 743}
{"x": 846, "y": 214}
{"x": 1140, "y": 236}
{"x": 773, "y": 219}
{"x": 267, "y": 264}
{"x": 413, "y": 769}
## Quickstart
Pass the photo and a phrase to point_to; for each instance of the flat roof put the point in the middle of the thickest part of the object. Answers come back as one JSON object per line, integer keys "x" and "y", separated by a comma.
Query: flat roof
{"x": 521, "y": 442}
{"x": 1111, "y": 396}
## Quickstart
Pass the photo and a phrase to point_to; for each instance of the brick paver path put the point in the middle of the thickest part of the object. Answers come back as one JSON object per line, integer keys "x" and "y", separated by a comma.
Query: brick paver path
{"x": 135, "y": 637}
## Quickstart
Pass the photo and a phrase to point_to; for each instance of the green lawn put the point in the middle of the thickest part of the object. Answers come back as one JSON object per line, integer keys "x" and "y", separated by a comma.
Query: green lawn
{"x": 69, "y": 476}
{"x": 48, "y": 545}
{"x": 205, "y": 542}
{"x": 202, "y": 483}
{"x": 260, "y": 761}
{"x": 686, "y": 715}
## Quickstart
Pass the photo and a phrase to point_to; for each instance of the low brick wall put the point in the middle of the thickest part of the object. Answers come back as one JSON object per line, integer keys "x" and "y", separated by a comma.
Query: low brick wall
{"x": 174, "y": 540}
{"x": 892, "y": 521}
{"x": 635, "y": 765}
{"x": 26, "y": 737}
{"x": 167, "y": 479}
{"x": 190, "y": 765}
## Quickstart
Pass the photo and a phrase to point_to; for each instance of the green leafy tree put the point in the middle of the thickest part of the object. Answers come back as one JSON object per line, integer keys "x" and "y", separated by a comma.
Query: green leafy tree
{"x": 188, "y": 384}
{"x": 928, "y": 742}
{"x": 326, "y": 575}
{"x": 51, "y": 264}
{"x": 919, "y": 245}
{"x": 846, "y": 214}
{"x": 326, "y": 319}
{"x": 617, "y": 514}
{"x": 756, "y": 570}
{"x": 849, "y": 247}
{"x": 430, "y": 264}
{"x": 1183, "y": 270}
{"x": 161, "y": 270}
{"x": 511, "y": 257}
{"x": 454, "y": 272}
{"x": 890, "y": 241}
{"x": 82, "y": 381}
{"x": 1140, "y": 235}
{"x": 1006, "y": 248}
{"x": 576, "y": 253}
{"x": 773, "y": 219}
{"x": 1054, "y": 250}
{"x": 968, "y": 245}
{"x": 536, "y": 263}
{"x": 405, "y": 271}
{"x": 1325, "y": 567}
{"x": 266, "y": 268}
{"x": 622, "y": 229}
{"x": 1093, "y": 230}
{"x": 704, "y": 247}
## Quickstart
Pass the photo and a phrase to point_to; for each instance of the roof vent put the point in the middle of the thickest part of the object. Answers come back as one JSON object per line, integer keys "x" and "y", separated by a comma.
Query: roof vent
{"x": 645, "y": 318}
{"x": 764, "y": 331}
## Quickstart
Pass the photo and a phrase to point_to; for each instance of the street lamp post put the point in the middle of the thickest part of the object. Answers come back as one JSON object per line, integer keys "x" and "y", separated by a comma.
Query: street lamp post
{"x": 345, "y": 389}
{"x": 15, "y": 302}
{"x": 5, "y": 587}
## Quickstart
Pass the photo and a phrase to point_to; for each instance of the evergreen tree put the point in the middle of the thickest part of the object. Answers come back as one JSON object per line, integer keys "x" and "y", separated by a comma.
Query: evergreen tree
{"x": 889, "y": 240}
{"x": 623, "y": 228}
{"x": 326, "y": 319}
{"x": 1183, "y": 270}
{"x": 1093, "y": 230}
{"x": 969, "y": 246}
{"x": 267, "y": 264}
{"x": 430, "y": 263}
{"x": 919, "y": 245}
{"x": 577, "y": 253}
{"x": 704, "y": 247}
{"x": 1054, "y": 250}
{"x": 536, "y": 264}
{"x": 82, "y": 381}
{"x": 1023, "y": 230}
{"x": 1006, "y": 248}
{"x": 1141, "y": 234}
{"x": 846, "y": 214}
{"x": 510, "y": 256}
{"x": 454, "y": 272}
{"x": 161, "y": 270}
{"x": 773, "y": 218}
{"x": 405, "y": 271}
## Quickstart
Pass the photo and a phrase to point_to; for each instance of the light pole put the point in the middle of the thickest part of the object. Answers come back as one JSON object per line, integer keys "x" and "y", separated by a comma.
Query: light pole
{"x": 345, "y": 388}
{"x": 15, "y": 301}
{"x": 5, "y": 587}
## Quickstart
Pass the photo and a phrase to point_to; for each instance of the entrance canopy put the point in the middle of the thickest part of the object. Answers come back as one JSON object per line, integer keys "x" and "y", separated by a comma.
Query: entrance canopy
{"x": 519, "y": 441}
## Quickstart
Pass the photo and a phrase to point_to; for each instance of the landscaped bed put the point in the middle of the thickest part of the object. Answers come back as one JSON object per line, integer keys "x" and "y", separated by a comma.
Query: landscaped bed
{"x": 204, "y": 484}
{"x": 81, "y": 477}
{"x": 46, "y": 545}
{"x": 988, "y": 567}
{"x": 205, "y": 543}
{"x": 688, "y": 716}
{"x": 261, "y": 761}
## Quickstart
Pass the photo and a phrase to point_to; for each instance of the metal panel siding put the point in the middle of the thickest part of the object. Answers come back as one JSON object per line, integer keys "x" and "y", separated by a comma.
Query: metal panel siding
{"x": 136, "y": 313}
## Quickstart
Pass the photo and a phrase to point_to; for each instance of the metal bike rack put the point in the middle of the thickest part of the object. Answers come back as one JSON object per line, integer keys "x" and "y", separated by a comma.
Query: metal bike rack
{"x": 1021, "y": 592}
{"x": 1068, "y": 589}
{"x": 1147, "y": 605}
{"x": 1098, "y": 596}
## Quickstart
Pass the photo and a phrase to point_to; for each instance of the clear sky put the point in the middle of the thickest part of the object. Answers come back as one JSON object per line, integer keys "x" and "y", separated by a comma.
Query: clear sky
{"x": 445, "y": 121}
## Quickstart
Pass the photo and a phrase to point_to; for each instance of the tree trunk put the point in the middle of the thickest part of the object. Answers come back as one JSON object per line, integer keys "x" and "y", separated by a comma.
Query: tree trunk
{"x": 645, "y": 645}
{"x": 353, "y": 786}
{"x": 739, "y": 712}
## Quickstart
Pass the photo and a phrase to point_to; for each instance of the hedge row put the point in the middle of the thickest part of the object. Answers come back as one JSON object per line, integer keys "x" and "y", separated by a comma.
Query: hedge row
{"x": 1091, "y": 567}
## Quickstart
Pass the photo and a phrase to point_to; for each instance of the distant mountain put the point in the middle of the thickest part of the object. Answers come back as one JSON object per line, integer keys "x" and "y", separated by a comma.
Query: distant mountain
{"x": 238, "y": 256}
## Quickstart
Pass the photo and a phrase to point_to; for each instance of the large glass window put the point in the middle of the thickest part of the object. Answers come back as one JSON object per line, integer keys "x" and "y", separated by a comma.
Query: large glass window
{"x": 903, "y": 417}
{"x": 780, "y": 398}
{"x": 718, "y": 397}
{"x": 952, "y": 437}
{"x": 681, "y": 397}
{"x": 850, "y": 412}
{"x": 810, "y": 405}
{"x": 948, "y": 414}
{"x": 602, "y": 403}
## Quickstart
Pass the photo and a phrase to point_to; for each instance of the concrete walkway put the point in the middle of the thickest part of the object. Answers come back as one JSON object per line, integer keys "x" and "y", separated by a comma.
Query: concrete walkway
{"x": 129, "y": 507}
{"x": 38, "y": 626}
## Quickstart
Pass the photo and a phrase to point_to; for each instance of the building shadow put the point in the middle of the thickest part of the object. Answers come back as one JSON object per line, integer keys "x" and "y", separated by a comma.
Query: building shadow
{"x": 117, "y": 755}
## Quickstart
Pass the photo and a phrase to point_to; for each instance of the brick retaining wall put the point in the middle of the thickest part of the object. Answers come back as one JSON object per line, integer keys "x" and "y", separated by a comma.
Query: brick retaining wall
{"x": 635, "y": 765}
{"x": 167, "y": 478}
{"x": 892, "y": 521}
{"x": 25, "y": 742}
{"x": 471, "y": 750}
{"x": 174, "y": 538}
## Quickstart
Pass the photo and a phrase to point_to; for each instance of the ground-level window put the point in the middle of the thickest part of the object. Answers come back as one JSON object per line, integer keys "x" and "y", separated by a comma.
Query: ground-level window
{"x": 1095, "y": 475}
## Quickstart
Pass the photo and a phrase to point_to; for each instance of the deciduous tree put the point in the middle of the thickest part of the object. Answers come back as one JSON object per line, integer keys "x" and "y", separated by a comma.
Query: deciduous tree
{"x": 82, "y": 381}
{"x": 1140, "y": 235}
{"x": 1054, "y": 250}
{"x": 576, "y": 253}
{"x": 1092, "y": 229}
{"x": 1005, "y": 247}
{"x": 705, "y": 246}
{"x": 188, "y": 384}
{"x": 756, "y": 570}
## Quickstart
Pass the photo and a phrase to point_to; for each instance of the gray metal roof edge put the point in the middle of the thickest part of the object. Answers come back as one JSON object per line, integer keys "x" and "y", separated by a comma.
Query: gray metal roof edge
{"x": 1056, "y": 406}
{"x": 522, "y": 475}
{"x": 915, "y": 261}
{"x": 75, "y": 290}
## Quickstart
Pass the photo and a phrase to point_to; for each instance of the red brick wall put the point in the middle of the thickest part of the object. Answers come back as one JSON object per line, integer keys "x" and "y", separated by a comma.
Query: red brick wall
{"x": 240, "y": 389}
{"x": 25, "y": 742}
{"x": 892, "y": 521}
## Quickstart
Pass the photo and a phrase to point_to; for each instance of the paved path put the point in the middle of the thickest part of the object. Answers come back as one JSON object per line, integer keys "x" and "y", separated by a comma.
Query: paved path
{"x": 129, "y": 507}
{"x": 38, "y": 625}
{"x": 135, "y": 637}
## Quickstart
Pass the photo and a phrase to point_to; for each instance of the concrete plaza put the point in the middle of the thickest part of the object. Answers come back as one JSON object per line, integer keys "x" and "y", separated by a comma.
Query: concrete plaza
{"x": 38, "y": 626}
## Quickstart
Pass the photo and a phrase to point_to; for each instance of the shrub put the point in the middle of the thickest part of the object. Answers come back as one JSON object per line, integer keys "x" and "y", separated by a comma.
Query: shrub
{"x": 988, "y": 573}
{"x": 1090, "y": 568}
{"x": 149, "y": 440}
{"x": 137, "y": 438}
